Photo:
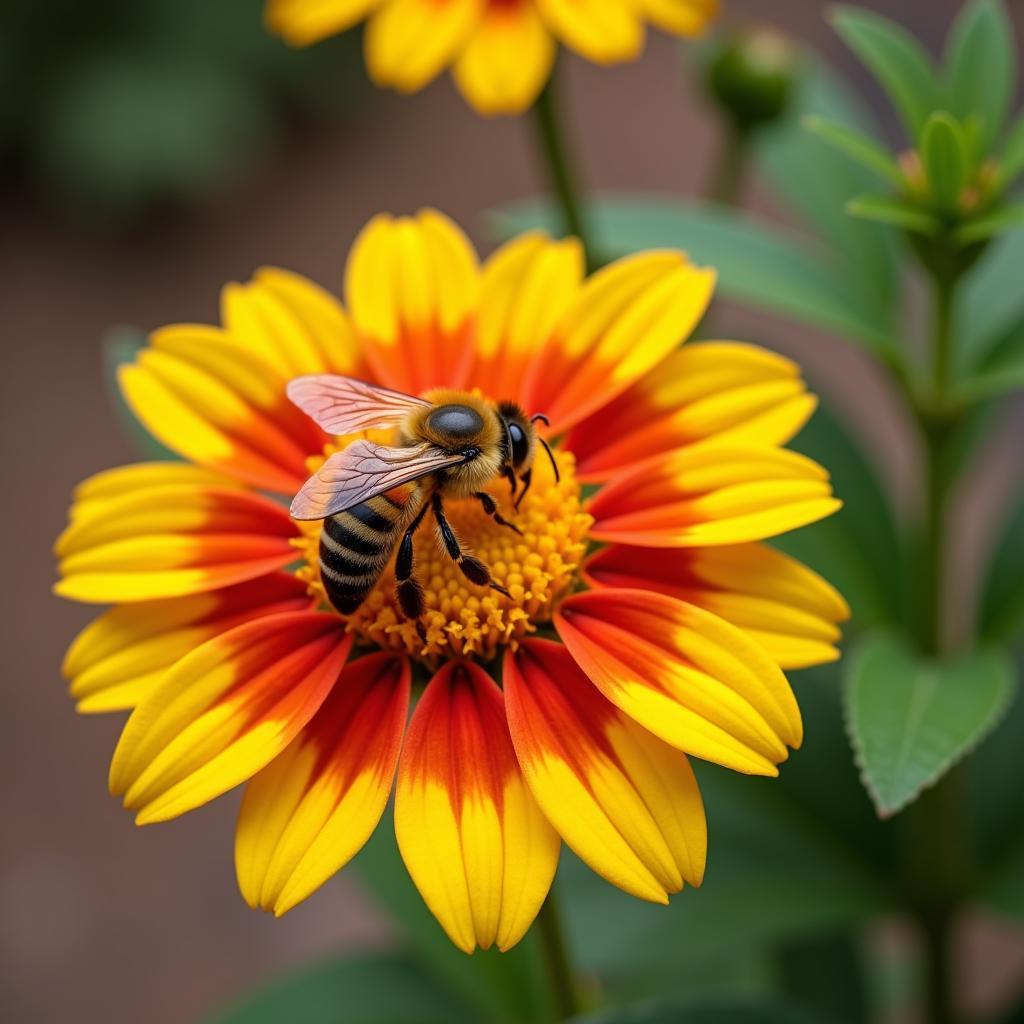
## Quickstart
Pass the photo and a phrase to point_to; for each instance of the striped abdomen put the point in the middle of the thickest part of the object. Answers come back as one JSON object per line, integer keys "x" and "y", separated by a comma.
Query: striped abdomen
{"x": 355, "y": 546}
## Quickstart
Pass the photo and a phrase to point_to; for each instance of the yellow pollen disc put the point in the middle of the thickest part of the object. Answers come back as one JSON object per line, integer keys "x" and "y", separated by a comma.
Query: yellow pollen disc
{"x": 536, "y": 568}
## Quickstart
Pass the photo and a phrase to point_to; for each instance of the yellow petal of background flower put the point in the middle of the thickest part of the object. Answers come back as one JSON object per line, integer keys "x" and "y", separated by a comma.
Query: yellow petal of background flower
{"x": 119, "y": 658}
{"x": 409, "y": 42}
{"x": 313, "y": 807}
{"x": 171, "y": 540}
{"x": 683, "y": 17}
{"x": 688, "y": 676}
{"x": 477, "y": 846}
{"x": 712, "y": 494}
{"x": 709, "y": 391}
{"x": 506, "y": 60}
{"x": 625, "y": 801}
{"x": 626, "y": 319}
{"x": 528, "y": 286}
{"x": 790, "y": 610}
{"x": 224, "y": 711}
{"x": 412, "y": 287}
{"x": 604, "y": 31}
{"x": 302, "y": 22}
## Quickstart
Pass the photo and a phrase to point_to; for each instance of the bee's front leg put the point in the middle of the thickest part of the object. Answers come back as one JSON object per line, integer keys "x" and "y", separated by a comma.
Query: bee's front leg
{"x": 472, "y": 568}
{"x": 527, "y": 479}
{"x": 508, "y": 473}
{"x": 491, "y": 508}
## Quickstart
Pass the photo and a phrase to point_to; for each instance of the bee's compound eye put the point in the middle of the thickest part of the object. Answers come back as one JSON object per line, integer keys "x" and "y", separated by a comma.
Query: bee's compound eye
{"x": 520, "y": 446}
{"x": 456, "y": 421}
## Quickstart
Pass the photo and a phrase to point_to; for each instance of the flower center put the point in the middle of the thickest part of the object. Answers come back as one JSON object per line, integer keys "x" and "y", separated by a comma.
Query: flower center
{"x": 536, "y": 566}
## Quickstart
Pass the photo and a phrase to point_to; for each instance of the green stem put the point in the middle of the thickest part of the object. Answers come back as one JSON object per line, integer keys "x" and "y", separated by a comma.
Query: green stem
{"x": 729, "y": 173}
{"x": 935, "y": 857}
{"x": 556, "y": 959}
{"x": 552, "y": 146}
{"x": 945, "y": 291}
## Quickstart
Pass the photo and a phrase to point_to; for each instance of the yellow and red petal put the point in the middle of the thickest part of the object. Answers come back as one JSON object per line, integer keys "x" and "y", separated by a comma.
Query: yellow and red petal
{"x": 409, "y": 42}
{"x": 206, "y": 418}
{"x": 625, "y": 801}
{"x": 710, "y": 391}
{"x": 788, "y": 609}
{"x": 225, "y": 711}
{"x": 169, "y": 541}
{"x": 506, "y": 60}
{"x": 119, "y": 658}
{"x": 626, "y": 319}
{"x": 681, "y": 17}
{"x": 241, "y": 365}
{"x": 412, "y": 287}
{"x": 712, "y": 494}
{"x": 302, "y": 22}
{"x": 313, "y": 807}
{"x": 95, "y": 491}
{"x": 604, "y": 31}
{"x": 528, "y": 286}
{"x": 291, "y": 323}
{"x": 477, "y": 846}
{"x": 687, "y": 676}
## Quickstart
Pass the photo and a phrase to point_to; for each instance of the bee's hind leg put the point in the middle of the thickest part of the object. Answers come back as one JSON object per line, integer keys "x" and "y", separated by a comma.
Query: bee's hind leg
{"x": 472, "y": 568}
{"x": 407, "y": 587}
{"x": 491, "y": 508}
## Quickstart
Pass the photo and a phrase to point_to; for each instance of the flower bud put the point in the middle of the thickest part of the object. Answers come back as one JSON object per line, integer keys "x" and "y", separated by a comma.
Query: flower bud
{"x": 751, "y": 75}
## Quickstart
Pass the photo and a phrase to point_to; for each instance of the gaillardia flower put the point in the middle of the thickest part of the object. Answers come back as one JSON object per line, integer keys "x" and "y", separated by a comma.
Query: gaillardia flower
{"x": 638, "y": 617}
{"x": 500, "y": 51}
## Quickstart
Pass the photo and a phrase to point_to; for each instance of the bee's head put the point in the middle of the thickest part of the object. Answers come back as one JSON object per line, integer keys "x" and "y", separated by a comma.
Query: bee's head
{"x": 522, "y": 437}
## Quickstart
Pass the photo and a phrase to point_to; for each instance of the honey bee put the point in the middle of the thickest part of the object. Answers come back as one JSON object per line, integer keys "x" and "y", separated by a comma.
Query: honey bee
{"x": 373, "y": 497}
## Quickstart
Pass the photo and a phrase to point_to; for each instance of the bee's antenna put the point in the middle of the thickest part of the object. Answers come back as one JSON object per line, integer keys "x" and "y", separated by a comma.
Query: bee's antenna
{"x": 554, "y": 465}
{"x": 540, "y": 416}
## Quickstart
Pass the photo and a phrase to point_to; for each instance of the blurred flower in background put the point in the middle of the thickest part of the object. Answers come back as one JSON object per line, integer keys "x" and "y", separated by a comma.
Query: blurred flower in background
{"x": 667, "y": 641}
{"x": 501, "y": 52}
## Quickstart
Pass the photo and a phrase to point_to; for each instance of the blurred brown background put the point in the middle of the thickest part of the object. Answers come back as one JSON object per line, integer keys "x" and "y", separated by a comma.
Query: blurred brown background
{"x": 99, "y": 920}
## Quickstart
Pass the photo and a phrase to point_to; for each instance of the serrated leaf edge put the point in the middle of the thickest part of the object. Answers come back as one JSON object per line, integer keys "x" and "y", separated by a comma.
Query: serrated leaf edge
{"x": 886, "y": 812}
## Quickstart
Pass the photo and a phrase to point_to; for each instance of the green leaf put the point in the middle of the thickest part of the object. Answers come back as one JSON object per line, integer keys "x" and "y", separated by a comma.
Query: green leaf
{"x": 999, "y": 222}
{"x": 899, "y": 62}
{"x": 724, "y": 1011}
{"x": 990, "y": 302}
{"x": 129, "y": 127}
{"x": 119, "y": 347}
{"x": 944, "y": 153}
{"x": 980, "y": 67}
{"x": 893, "y": 212}
{"x": 1001, "y": 614}
{"x": 1000, "y": 372}
{"x": 815, "y": 181}
{"x": 911, "y": 718}
{"x": 859, "y": 548}
{"x": 757, "y": 263}
{"x": 502, "y": 987}
{"x": 383, "y": 988}
{"x": 859, "y": 147}
{"x": 1012, "y": 162}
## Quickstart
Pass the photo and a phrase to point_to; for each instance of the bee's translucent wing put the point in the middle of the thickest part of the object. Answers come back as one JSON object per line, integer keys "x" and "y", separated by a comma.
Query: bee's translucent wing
{"x": 344, "y": 405}
{"x": 362, "y": 471}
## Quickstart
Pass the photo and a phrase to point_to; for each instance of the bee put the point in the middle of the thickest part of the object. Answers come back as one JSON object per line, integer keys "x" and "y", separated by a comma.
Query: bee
{"x": 373, "y": 498}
